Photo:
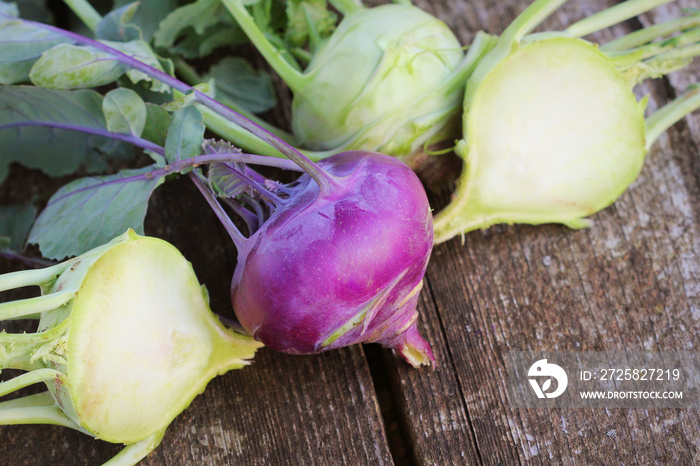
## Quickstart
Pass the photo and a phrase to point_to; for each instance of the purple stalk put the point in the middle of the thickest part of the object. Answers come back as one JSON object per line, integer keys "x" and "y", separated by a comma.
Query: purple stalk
{"x": 135, "y": 140}
{"x": 192, "y": 162}
{"x": 318, "y": 174}
{"x": 238, "y": 239}
{"x": 251, "y": 220}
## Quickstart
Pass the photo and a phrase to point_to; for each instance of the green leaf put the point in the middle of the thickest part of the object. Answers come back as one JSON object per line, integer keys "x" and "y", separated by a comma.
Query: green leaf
{"x": 68, "y": 66}
{"x": 91, "y": 211}
{"x": 198, "y": 15}
{"x": 20, "y": 46}
{"x": 15, "y": 223}
{"x": 35, "y": 10}
{"x": 30, "y": 118}
{"x": 157, "y": 123}
{"x": 187, "y": 99}
{"x": 193, "y": 45}
{"x": 235, "y": 80}
{"x": 21, "y": 41}
{"x": 9, "y": 9}
{"x": 143, "y": 52}
{"x": 149, "y": 14}
{"x": 117, "y": 25}
{"x": 14, "y": 73}
{"x": 306, "y": 19}
{"x": 185, "y": 135}
{"x": 225, "y": 177}
{"x": 125, "y": 112}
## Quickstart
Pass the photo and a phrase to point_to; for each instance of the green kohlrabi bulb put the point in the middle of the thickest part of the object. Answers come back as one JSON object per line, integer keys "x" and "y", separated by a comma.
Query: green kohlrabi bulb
{"x": 381, "y": 82}
{"x": 389, "y": 79}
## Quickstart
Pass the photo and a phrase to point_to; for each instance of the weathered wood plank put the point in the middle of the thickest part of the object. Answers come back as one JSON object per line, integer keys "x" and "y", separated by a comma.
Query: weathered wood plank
{"x": 629, "y": 282}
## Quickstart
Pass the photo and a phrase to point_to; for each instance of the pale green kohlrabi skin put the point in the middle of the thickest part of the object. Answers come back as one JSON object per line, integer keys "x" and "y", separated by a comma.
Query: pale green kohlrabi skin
{"x": 380, "y": 83}
{"x": 553, "y": 134}
{"x": 131, "y": 343}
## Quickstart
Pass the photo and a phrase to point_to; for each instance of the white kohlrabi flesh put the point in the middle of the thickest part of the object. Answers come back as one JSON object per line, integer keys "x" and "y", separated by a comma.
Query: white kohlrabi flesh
{"x": 125, "y": 342}
{"x": 552, "y": 129}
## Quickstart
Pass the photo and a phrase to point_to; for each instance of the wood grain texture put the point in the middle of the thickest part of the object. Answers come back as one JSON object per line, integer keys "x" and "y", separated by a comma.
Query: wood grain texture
{"x": 631, "y": 281}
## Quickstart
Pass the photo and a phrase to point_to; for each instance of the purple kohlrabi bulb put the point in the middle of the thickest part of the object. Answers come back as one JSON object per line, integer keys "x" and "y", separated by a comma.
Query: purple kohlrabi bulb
{"x": 335, "y": 267}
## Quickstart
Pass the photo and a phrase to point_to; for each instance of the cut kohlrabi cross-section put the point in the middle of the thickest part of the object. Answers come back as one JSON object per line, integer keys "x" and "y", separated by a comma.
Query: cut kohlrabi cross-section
{"x": 125, "y": 342}
{"x": 552, "y": 129}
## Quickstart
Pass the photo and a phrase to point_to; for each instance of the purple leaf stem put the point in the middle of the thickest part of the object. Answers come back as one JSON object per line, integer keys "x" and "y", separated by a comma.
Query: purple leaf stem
{"x": 316, "y": 172}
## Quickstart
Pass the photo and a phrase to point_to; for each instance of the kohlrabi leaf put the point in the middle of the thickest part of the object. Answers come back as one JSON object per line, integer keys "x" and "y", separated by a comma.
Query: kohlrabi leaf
{"x": 125, "y": 112}
{"x": 157, "y": 123}
{"x": 308, "y": 19}
{"x": 148, "y": 15}
{"x": 199, "y": 15}
{"x": 117, "y": 25}
{"x": 185, "y": 100}
{"x": 39, "y": 128}
{"x": 20, "y": 46}
{"x": 35, "y": 10}
{"x": 68, "y": 66}
{"x": 185, "y": 135}
{"x": 143, "y": 52}
{"x": 193, "y": 45}
{"x": 21, "y": 41}
{"x": 9, "y": 9}
{"x": 225, "y": 178}
{"x": 15, "y": 73}
{"x": 15, "y": 223}
{"x": 235, "y": 80}
{"x": 225, "y": 181}
{"x": 91, "y": 211}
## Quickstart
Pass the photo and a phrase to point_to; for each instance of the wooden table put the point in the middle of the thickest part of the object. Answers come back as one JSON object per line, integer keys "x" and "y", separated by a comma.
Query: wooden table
{"x": 631, "y": 282}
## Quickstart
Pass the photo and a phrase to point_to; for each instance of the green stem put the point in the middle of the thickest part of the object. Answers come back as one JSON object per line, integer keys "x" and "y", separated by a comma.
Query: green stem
{"x": 186, "y": 71}
{"x": 232, "y": 132}
{"x": 293, "y": 78}
{"x": 678, "y": 54}
{"x": 347, "y": 7}
{"x": 30, "y": 378}
{"x": 648, "y": 34}
{"x": 190, "y": 76}
{"x": 482, "y": 44}
{"x": 34, "y": 409}
{"x": 35, "y": 277}
{"x": 38, "y": 399}
{"x": 658, "y": 49}
{"x": 529, "y": 19}
{"x": 135, "y": 452}
{"x": 613, "y": 15}
{"x": 28, "y": 351}
{"x": 29, "y": 306}
{"x": 85, "y": 12}
{"x": 671, "y": 113}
